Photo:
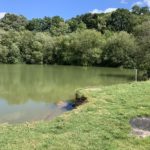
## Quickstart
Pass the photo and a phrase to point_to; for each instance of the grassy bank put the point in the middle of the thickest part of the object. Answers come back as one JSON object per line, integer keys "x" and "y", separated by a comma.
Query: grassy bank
{"x": 102, "y": 123}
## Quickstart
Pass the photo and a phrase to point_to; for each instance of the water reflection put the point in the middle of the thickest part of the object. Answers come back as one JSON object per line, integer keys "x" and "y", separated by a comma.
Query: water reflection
{"x": 33, "y": 89}
{"x": 28, "y": 112}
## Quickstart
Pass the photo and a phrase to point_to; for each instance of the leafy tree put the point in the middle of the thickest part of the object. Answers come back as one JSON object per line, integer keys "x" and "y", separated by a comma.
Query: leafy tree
{"x": 10, "y": 37}
{"x": 48, "y": 50}
{"x": 13, "y": 55}
{"x": 140, "y": 10}
{"x": 56, "y": 20}
{"x": 27, "y": 39}
{"x": 3, "y": 54}
{"x": 74, "y": 42}
{"x": 121, "y": 20}
{"x": 145, "y": 10}
{"x": 47, "y": 22}
{"x": 90, "y": 20}
{"x": 12, "y": 21}
{"x": 63, "y": 52}
{"x": 43, "y": 48}
{"x": 120, "y": 50}
{"x": 142, "y": 33}
{"x": 35, "y": 25}
{"x": 76, "y": 25}
{"x": 36, "y": 57}
{"x": 61, "y": 29}
{"x": 80, "y": 48}
{"x": 37, "y": 52}
{"x": 32, "y": 48}
{"x": 83, "y": 48}
{"x": 40, "y": 25}
{"x": 94, "y": 21}
{"x": 136, "y": 9}
{"x": 10, "y": 44}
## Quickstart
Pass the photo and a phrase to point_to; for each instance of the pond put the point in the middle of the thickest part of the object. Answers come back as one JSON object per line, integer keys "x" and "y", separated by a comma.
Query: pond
{"x": 35, "y": 92}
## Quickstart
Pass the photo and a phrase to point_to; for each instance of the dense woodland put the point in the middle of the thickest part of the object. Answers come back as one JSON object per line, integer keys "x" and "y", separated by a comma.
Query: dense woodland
{"x": 117, "y": 39}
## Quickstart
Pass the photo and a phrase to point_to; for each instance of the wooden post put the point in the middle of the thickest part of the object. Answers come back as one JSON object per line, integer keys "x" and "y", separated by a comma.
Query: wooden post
{"x": 136, "y": 75}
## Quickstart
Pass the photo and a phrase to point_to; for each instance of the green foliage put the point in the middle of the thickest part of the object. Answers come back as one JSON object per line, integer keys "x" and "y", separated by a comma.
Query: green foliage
{"x": 13, "y": 55}
{"x": 10, "y": 52}
{"x": 120, "y": 50}
{"x": 88, "y": 39}
{"x": 61, "y": 29}
{"x": 55, "y": 25}
{"x": 3, "y": 54}
{"x": 140, "y": 10}
{"x": 36, "y": 25}
{"x": 142, "y": 33}
{"x": 76, "y": 25}
{"x": 145, "y": 10}
{"x": 136, "y": 9}
{"x": 121, "y": 20}
{"x": 93, "y": 21}
{"x": 87, "y": 47}
{"x": 25, "y": 46}
{"x": 81, "y": 48}
{"x": 44, "y": 46}
{"x": 12, "y": 21}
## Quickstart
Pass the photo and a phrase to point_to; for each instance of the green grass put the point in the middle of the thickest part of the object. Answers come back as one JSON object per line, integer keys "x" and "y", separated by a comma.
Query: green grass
{"x": 102, "y": 123}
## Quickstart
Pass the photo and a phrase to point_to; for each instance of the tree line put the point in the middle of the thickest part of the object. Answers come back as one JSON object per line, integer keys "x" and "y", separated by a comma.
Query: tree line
{"x": 116, "y": 39}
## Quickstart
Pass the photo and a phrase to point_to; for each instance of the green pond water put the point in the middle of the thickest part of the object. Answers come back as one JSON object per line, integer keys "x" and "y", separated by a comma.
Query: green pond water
{"x": 34, "y": 92}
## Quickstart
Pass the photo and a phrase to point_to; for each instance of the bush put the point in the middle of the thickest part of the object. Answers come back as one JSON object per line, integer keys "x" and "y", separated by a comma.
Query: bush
{"x": 120, "y": 50}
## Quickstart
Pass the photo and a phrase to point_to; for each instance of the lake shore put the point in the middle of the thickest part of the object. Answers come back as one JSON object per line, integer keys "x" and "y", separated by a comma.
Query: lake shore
{"x": 101, "y": 123}
{"x": 32, "y": 92}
